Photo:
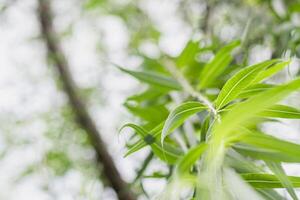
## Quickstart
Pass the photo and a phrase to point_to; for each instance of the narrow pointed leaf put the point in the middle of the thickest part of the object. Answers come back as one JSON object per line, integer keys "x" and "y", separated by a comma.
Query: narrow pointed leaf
{"x": 190, "y": 158}
{"x": 188, "y": 54}
{"x": 147, "y": 95}
{"x": 168, "y": 153}
{"x": 177, "y": 117}
{"x": 281, "y": 111}
{"x": 238, "y": 82}
{"x": 269, "y": 72}
{"x": 241, "y": 113}
{"x": 282, "y": 177}
{"x": 154, "y": 79}
{"x": 154, "y": 113}
{"x": 154, "y": 134}
{"x": 260, "y": 153}
{"x": 254, "y": 89}
{"x": 287, "y": 150}
{"x": 268, "y": 180}
{"x": 217, "y": 65}
{"x": 204, "y": 129}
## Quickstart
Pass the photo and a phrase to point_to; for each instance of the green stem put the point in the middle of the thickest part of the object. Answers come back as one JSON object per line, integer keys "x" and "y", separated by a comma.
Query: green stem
{"x": 187, "y": 87}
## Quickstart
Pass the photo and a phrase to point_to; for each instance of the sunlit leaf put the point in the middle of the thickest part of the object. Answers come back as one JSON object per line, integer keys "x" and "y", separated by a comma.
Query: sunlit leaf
{"x": 188, "y": 54}
{"x": 260, "y": 153}
{"x": 189, "y": 159}
{"x": 281, "y": 111}
{"x": 217, "y": 65}
{"x": 179, "y": 115}
{"x": 254, "y": 89}
{"x": 268, "y": 180}
{"x": 269, "y": 72}
{"x": 205, "y": 129}
{"x": 246, "y": 110}
{"x": 238, "y": 82}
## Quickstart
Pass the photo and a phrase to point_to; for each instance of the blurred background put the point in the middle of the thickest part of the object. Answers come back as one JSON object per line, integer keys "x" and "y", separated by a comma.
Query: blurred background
{"x": 44, "y": 153}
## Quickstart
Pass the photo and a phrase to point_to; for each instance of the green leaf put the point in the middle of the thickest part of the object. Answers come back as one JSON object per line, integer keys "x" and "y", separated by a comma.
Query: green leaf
{"x": 205, "y": 129}
{"x": 228, "y": 131}
{"x": 149, "y": 94}
{"x": 268, "y": 180}
{"x": 282, "y": 177}
{"x": 189, "y": 159}
{"x": 153, "y": 113}
{"x": 271, "y": 71}
{"x": 154, "y": 65}
{"x": 217, "y": 65}
{"x": 154, "y": 79}
{"x": 284, "y": 149}
{"x": 281, "y": 111}
{"x": 156, "y": 175}
{"x": 243, "y": 112}
{"x": 179, "y": 115}
{"x": 254, "y": 89}
{"x": 259, "y": 153}
{"x": 188, "y": 54}
{"x": 145, "y": 140}
{"x": 238, "y": 82}
{"x": 169, "y": 153}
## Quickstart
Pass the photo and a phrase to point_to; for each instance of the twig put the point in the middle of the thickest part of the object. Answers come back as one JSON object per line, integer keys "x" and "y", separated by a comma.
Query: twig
{"x": 110, "y": 170}
{"x": 144, "y": 167}
{"x": 187, "y": 87}
{"x": 206, "y": 19}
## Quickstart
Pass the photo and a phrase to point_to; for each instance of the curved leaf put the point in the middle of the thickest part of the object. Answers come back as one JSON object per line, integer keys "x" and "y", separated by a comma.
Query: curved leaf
{"x": 241, "y": 113}
{"x": 188, "y": 54}
{"x": 238, "y": 82}
{"x": 179, "y": 115}
{"x": 168, "y": 154}
{"x": 143, "y": 142}
{"x": 271, "y": 71}
{"x": 153, "y": 114}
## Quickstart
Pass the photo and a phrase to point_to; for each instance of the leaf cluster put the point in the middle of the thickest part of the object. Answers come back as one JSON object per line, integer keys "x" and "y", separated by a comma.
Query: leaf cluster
{"x": 224, "y": 144}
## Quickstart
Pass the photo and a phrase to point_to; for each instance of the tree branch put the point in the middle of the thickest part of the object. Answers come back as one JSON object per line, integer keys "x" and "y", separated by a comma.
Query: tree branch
{"x": 109, "y": 170}
{"x": 205, "y": 25}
